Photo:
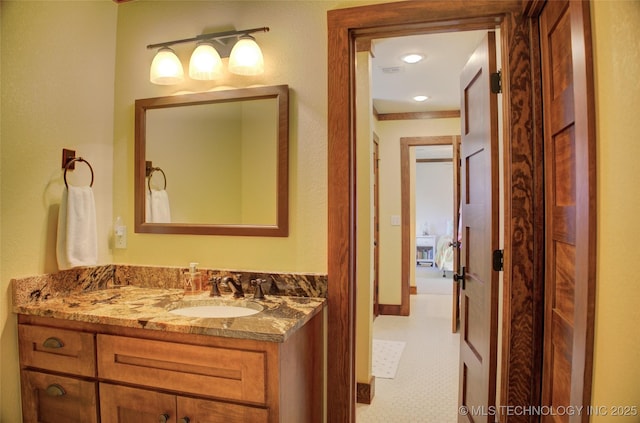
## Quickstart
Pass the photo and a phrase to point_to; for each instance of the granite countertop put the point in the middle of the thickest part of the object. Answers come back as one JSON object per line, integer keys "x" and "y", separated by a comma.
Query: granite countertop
{"x": 149, "y": 308}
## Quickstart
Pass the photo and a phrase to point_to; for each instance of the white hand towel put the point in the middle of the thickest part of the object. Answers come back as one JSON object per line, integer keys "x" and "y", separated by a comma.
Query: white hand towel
{"x": 160, "y": 211}
{"x": 77, "y": 243}
{"x": 147, "y": 208}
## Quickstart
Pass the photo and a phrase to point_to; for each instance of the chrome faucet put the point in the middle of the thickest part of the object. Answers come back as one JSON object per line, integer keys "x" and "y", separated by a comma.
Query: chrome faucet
{"x": 235, "y": 285}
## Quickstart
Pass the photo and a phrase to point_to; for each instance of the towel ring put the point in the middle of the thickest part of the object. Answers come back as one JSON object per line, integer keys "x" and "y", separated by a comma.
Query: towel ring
{"x": 76, "y": 159}
{"x": 153, "y": 169}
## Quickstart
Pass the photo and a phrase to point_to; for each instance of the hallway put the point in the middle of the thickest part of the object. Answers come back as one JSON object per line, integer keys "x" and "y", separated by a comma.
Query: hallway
{"x": 425, "y": 388}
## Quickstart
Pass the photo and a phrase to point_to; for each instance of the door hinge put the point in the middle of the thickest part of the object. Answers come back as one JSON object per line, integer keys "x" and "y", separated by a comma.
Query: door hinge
{"x": 498, "y": 260}
{"x": 496, "y": 82}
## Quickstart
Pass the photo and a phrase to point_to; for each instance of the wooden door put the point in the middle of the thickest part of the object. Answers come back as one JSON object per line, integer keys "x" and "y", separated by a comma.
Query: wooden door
{"x": 570, "y": 207}
{"x": 376, "y": 225}
{"x": 455, "y": 298}
{"x": 121, "y": 404}
{"x": 479, "y": 287}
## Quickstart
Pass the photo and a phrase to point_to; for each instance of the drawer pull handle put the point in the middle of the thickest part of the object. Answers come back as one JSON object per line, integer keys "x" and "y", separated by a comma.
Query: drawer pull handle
{"x": 52, "y": 343}
{"x": 184, "y": 420}
{"x": 163, "y": 418}
{"x": 55, "y": 390}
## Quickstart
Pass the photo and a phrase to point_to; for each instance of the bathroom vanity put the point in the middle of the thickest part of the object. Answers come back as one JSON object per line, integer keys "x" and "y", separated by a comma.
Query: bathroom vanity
{"x": 120, "y": 355}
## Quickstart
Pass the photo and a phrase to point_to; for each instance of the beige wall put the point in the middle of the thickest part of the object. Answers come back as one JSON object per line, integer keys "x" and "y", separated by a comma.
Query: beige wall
{"x": 364, "y": 207}
{"x": 296, "y": 29}
{"x": 617, "y": 344}
{"x": 57, "y": 92}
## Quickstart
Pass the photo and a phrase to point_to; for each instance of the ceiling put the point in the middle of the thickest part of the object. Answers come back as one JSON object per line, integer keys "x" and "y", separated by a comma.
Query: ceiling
{"x": 395, "y": 83}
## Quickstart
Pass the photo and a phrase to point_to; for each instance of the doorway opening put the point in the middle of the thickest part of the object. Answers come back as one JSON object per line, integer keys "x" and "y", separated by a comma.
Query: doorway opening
{"x": 423, "y": 240}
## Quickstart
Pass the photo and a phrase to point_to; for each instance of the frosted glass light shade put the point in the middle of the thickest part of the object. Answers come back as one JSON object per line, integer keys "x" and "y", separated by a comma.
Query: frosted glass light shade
{"x": 205, "y": 63}
{"x": 246, "y": 57}
{"x": 166, "y": 68}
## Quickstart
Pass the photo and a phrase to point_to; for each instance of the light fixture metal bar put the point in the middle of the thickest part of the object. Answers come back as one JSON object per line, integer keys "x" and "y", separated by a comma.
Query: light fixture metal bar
{"x": 211, "y": 36}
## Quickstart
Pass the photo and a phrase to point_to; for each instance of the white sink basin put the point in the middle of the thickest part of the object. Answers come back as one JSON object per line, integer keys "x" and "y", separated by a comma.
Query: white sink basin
{"x": 218, "y": 311}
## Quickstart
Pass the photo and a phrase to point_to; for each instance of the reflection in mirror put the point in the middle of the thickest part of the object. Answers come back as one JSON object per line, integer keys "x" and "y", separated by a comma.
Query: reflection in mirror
{"x": 221, "y": 160}
{"x": 218, "y": 163}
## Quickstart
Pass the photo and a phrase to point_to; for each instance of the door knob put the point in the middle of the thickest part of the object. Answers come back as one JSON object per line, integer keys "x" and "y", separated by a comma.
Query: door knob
{"x": 460, "y": 277}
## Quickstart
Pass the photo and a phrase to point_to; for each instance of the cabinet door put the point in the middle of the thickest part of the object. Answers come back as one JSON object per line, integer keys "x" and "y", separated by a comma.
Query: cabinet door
{"x": 53, "y": 399}
{"x": 120, "y": 404}
{"x": 202, "y": 411}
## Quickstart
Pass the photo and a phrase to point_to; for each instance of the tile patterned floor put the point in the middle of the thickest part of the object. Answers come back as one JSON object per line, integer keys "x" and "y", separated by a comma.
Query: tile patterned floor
{"x": 425, "y": 389}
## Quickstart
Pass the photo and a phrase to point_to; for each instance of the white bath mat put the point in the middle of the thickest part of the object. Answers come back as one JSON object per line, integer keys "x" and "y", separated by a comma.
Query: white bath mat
{"x": 386, "y": 357}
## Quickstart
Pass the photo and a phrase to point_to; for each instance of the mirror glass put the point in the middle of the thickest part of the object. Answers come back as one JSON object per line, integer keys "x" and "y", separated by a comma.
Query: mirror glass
{"x": 213, "y": 163}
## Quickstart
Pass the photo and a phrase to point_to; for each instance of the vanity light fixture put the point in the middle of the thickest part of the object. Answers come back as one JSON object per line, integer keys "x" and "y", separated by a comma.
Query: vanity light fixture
{"x": 205, "y": 63}
{"x": 245, "y": 58}
{"x": 166, "y": 68}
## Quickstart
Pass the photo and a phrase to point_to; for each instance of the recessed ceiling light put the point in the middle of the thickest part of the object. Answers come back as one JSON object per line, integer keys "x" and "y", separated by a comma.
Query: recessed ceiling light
{"x": 412, "y": 58}
{"x": 420, "y": 98}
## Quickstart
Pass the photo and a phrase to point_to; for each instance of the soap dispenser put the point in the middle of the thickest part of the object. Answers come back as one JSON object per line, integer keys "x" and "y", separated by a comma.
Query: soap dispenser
{"x": 192, "y": 280}
{"x": 119, "y": 234}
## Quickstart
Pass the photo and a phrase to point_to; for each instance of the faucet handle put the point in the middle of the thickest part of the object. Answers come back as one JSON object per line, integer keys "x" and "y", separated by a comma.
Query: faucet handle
{"x": 215, "y": 289}
{"x": 259, "y": 292}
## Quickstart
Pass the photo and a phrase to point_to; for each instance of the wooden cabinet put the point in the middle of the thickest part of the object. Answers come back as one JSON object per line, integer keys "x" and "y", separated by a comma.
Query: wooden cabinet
{"x": 84, "y": 372}
{"x": 48, "y": 395}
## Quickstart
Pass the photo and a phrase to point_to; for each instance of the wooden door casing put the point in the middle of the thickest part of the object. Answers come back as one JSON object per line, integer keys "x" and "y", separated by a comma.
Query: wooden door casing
{"x": 408, "y": 253}
{"x": 523, "y": 182}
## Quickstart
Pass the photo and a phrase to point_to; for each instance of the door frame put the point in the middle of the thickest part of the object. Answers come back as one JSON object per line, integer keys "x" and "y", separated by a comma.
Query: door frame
{"x": 524, "y": 239}
{"x": 376, "y": 225}
{"x": 407, "y": 254}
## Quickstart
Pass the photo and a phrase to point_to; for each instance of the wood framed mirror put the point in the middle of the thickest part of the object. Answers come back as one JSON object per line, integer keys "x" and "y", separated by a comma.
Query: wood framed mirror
{"x": 213, "y": 163}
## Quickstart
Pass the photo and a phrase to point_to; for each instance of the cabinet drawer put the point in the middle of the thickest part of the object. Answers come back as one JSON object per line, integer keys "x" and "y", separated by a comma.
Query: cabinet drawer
{"x": 208, "y": 371}
{"x": 57, "y": 349}
{"x": 49, "y": 398}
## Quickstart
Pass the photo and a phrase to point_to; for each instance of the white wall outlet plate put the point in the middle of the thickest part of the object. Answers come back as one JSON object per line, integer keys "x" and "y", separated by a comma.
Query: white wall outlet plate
{"x": 120, "y": 237}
